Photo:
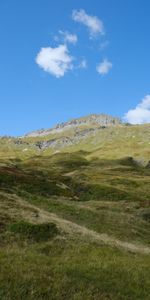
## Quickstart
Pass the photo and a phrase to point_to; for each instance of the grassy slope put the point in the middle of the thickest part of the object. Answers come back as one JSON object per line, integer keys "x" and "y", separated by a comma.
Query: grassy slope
{"x": 99, "y": 189}
{"x": 108, "y": 143}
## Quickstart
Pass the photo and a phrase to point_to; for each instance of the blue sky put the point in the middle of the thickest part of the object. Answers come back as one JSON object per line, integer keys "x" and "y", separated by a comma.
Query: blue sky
{"x": 96, "y": 58}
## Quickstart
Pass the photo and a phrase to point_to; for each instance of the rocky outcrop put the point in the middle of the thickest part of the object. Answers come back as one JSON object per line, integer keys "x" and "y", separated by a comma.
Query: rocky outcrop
{"x": 68, "y": 141}
{"x": 91, "y": 120}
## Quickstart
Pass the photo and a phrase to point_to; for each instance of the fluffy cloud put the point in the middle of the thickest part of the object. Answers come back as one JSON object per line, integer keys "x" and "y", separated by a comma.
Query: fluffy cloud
{"x": 56, "y": 61}
{"x": 141, "y": 113}
{"x": 68, "y": 37}
{"x": 94, "y": 24}
{"x": 104, "y": 67}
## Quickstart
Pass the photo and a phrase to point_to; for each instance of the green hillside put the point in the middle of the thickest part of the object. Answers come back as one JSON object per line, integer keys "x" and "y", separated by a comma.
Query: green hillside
{"x": 75, "y": 214}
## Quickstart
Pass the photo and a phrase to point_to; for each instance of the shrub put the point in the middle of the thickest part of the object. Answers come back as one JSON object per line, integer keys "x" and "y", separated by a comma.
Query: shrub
{"x": 34, "y": 232}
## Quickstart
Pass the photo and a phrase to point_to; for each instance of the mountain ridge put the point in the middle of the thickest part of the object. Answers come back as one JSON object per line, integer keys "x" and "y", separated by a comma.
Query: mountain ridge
{"x": 92, "y": 119}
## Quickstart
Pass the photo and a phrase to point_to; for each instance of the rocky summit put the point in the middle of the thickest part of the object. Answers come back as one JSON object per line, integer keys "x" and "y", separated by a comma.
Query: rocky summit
{"x": 93, "y": 120}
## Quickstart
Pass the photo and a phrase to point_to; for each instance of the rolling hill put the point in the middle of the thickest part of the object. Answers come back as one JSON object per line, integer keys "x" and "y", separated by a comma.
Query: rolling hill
{"x": 75, "y": 212}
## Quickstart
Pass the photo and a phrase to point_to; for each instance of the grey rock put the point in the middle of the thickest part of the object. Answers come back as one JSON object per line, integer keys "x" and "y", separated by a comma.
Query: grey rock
{"x": 102, "y": 120}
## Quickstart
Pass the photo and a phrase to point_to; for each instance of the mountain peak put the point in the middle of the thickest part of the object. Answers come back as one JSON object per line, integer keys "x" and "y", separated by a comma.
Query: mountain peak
{"x": 92, "y": 120}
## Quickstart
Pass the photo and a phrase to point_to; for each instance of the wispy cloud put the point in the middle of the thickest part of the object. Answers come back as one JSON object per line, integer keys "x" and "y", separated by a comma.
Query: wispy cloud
{"x": 68, "y": 37}
{"x": 56, "y": 61}
{"x": 104, "y": 67}
{"x": 103, "y": 45}
{"x": 83, "y": 64}
{"x": 140, "y": 114}
{"x": 93, "y": 23}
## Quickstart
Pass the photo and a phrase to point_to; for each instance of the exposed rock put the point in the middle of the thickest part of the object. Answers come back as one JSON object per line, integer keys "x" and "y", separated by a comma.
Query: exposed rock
{"x": 20, "y": 142}
{"x": 54, "y": 143}
{"x": 94, "y": 120}
{"x": 68, "y": 141}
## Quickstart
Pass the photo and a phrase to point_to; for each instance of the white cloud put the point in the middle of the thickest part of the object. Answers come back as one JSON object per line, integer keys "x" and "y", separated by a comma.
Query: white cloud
{"x": 68, "y": 37}
{"x": 83, "y": 64}
{"x": 56, "y": 61}
{"x": 94, "y": 24}
{"x": 140, "y": 114}
{"x": 104, "y": 67}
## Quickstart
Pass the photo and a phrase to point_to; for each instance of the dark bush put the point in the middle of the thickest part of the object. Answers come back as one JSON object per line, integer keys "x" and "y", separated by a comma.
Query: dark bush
{"x": 34, "y": 232}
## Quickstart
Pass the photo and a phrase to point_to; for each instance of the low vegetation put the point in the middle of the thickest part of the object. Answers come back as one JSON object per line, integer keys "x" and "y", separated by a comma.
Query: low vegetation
{"x": 75, "y": 223}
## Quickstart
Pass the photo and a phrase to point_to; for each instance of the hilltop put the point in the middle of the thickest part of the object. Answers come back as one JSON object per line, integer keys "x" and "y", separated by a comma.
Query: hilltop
{"x": 99, "y": 135}
{"x": 93, "y": 120}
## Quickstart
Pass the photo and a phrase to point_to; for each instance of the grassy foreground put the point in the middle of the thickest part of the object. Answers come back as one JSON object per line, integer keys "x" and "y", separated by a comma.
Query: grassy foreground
{"x": 75, "y": 225}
